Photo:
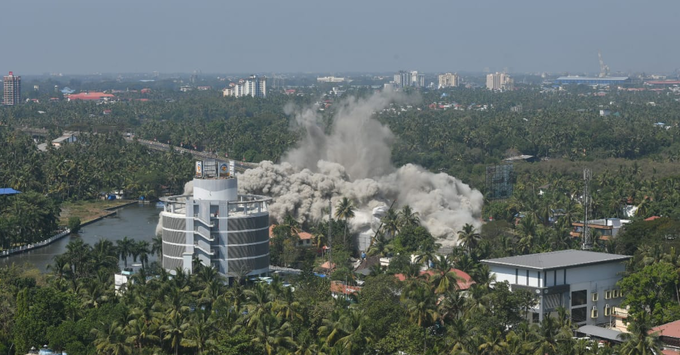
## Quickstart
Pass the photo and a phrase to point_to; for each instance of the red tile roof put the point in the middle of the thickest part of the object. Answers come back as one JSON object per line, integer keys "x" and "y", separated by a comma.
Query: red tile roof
{"x": 301, "y": 235}
{"x": 652, "y": 218}
{"x": 89, "y": 96}
{"x": 338, "y": 287}
{"x": 671, "y": 330}
{"x": 463, "y": 284}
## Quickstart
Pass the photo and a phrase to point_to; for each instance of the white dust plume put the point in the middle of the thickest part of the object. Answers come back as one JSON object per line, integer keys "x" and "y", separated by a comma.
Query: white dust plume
{"x": 354, "y": 161}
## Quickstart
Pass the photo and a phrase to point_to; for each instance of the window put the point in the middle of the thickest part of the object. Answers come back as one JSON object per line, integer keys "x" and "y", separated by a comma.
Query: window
{"x": 615, "y": 293}
{"x": 534, "y": 317}
{"x": 578, "y": 315}
{"x": 607, "y": 311}
{"x": 595, "y": 296}
{"x": 579, "y": 298}
{"x": 607, "y": 294}
{"x": 621, "y": 293}
{"x": 593, "y": 313}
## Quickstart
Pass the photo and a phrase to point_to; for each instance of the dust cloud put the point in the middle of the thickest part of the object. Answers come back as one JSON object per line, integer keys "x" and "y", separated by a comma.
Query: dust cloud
{"x": 354, "y": 161}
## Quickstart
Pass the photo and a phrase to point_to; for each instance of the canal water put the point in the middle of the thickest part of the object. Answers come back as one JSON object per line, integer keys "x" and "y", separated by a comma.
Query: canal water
{"x": 137, "y": 222}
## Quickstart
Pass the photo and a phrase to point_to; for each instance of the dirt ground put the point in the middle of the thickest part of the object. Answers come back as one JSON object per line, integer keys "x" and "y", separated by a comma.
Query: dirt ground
{"x": 87, "y": 210}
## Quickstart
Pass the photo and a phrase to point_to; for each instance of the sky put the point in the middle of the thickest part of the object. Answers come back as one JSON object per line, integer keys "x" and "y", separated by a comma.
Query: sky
{"x": 316, "y": 36}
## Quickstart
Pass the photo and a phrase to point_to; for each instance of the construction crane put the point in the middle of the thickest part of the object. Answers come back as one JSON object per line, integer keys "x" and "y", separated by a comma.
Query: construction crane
{"x": 604, "y": 68}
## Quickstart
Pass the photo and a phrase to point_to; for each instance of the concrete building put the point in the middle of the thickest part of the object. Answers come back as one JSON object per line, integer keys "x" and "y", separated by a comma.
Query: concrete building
{"x": 499, "y": 81}
{"x": 330, "y": 79}
{"x": 448, "y": 80}
{"x": 11, "y": 89}
{"x": 216, "y": 225}
{"x": 67, "y": 137}
{"x": 404, "y": 79}
{"x": 606, "y": 81}
{"x": 583, "y": 282}
{"x": 254, "y": 86}
{"x": 607, "y": 228}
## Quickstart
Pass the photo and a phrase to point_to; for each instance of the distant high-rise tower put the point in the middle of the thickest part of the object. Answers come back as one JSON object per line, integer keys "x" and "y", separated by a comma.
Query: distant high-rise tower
{"x": 448, "y": 80}
{"x": 12, "y": 90}
{"x": 499, "y": 81}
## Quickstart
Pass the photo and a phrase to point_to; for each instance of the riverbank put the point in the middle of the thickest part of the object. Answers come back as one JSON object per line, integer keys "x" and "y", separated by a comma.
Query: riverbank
{"x": 88, "y": 212}
{"x": 91, "y": 211}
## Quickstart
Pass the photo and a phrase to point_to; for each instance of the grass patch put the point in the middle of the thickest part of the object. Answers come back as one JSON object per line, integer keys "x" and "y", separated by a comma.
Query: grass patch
{"x": 87, "y": 210}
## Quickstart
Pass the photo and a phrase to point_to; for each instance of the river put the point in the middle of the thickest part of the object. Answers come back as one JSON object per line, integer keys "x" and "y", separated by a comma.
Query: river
{"x": 135, "y": 221}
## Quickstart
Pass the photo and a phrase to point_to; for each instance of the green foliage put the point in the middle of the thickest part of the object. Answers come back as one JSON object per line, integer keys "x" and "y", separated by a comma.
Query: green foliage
{"x": 652, "y": 292}
{"x": 74, "y": 224}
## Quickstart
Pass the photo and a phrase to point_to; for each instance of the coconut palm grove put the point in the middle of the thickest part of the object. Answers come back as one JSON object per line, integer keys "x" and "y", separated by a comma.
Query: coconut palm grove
{"x": 410, "y": 297}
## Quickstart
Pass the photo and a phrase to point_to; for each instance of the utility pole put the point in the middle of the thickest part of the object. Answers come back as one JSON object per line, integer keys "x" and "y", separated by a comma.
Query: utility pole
{"x": 330, "y": 228}
{"x": 587, "y": 242}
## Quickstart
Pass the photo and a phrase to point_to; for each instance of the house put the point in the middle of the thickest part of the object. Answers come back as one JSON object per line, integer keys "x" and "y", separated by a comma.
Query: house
{"x": 607, "y": 228}
{"x": 464, "y": 279}
{"x": 67, "y": 137}
{"x": 306, "y": 239}
{"x": 583, "y": 282}
{"x": 669, "y": 335}
{"x": 93, "y": 95}
{"x": 339, "y": 288}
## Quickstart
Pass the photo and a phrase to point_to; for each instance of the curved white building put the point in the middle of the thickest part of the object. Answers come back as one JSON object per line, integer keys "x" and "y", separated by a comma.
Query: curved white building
{"x": 216, "y": 225}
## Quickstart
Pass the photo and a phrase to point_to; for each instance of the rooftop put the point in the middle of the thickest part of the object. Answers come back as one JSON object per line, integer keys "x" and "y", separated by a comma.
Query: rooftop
{"x": 670, "y": 330}
{"x": 610, "y": 78}
{"x": 556, "y": 259}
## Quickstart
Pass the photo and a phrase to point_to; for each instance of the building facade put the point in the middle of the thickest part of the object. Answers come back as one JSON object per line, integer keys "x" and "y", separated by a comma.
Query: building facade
{"x": 448, "y": 80}
{"x": 216, "y": 225}
{"x": 404, "y": 79}
{"x": 582, "y": 80}
{"x": 583, "y": 282}
{"x": 254, "y": 86}
{"x": 11, "y": 89}
{"x": 499, "y": 81}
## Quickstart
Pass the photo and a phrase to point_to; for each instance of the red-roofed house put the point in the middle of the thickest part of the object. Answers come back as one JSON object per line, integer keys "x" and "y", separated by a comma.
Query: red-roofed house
{"x": 91, "y": 96}
{"x": 464, "y": 283}
{"x": 339, "y": 288}
{"x": 306, "y": 239}
{"x": 669, "y": 334}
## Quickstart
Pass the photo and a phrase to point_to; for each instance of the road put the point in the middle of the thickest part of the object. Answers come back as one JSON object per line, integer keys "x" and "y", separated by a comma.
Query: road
{"x": 240, "y": 166}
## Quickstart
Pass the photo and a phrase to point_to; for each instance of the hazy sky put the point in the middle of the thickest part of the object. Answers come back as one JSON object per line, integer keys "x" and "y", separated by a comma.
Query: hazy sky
{"x": 220, "y": 36}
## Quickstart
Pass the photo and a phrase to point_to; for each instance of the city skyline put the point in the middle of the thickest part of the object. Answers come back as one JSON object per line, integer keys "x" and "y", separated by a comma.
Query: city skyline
{"x": 77, "y": 37}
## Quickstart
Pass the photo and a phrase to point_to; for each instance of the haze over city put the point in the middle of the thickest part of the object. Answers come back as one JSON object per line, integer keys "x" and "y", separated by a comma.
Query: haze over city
{"x": 80, "y": 37}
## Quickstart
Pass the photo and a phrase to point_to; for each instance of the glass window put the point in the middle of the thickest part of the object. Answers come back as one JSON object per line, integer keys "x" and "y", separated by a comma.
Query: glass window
{"x": 595, "y": 297}
{"x": 578, "y": 315}
{"x": 579, "y": 298}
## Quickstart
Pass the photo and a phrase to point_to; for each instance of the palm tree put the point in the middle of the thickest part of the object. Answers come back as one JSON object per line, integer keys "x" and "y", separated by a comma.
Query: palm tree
{"x": 390, "y": 223}
{"x": 468, "y": 237}
{"x": 157, "y": 245}
{"x": 445, "y": 278}
{"x": 640, "y": 340}
{"x": 125, "y": 247}
{"x": 422, "y": 306}
{"x": 345, "y": 211}
{"x": 408, "y": 218}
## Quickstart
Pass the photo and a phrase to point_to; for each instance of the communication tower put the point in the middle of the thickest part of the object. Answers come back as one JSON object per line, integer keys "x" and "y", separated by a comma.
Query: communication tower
{"x": 587, "y": 240}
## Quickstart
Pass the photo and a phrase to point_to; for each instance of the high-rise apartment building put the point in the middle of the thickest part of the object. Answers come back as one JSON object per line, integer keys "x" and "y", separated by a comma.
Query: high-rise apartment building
{"x": 448, "y": 80}
{"x": 405, "y": 79}
{"x": 253, "y": 86}
{"x": 12, "y": 90}
{"x": 499, "y": 81}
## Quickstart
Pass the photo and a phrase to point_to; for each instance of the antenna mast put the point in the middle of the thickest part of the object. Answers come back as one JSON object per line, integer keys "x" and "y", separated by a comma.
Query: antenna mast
{"x": 587, "y": 242}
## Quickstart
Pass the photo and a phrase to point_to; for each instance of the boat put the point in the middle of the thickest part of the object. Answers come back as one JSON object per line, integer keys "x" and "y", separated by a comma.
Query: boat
{"x": 160, "y": 204}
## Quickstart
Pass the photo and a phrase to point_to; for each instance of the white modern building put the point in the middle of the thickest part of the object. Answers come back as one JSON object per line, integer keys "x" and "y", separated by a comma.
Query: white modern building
{"x": 583, "y": 282}
{"x": 254, "y": 86}
{"x": 330, "y": 79}
{"x": 216, "y": 225}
